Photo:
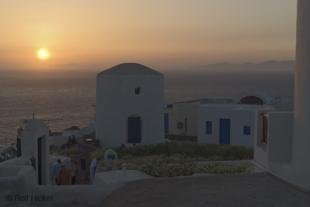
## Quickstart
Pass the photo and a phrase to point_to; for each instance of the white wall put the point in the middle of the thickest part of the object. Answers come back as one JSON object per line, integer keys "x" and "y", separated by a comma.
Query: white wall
{"x": 116, "y": 101}
{"x": 16, "y": 177}
{"x": 260, "y": 149}
{"x": 275, "y": 155}
{"x": 295, "y": 169}
{"x": 301, "y": 140}
{"x": 34, "y": 129}
{"x": 279, "y": 140}
{"x": 280, "y": 136}
{"x": 240, "y": 116}
{"x": 179, "y": 113}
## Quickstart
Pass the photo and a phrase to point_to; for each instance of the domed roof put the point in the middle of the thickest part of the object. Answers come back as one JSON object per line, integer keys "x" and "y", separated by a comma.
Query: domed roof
{"x": 257, "y": 98}
{"x": 130, "y": 69}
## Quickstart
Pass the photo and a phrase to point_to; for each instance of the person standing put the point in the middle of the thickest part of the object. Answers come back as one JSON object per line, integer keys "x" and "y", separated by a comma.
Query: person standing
{"x": 64, "y": 176}
{"x": 73, "y": 171}
{"x": 51, "y": 174}
{"x": 93, "y": 167}
{"x": 54, "y": 172}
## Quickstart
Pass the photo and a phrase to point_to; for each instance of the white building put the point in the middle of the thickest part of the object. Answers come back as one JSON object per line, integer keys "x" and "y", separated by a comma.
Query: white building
{"x": 181, "y": 119}
{"x": 129, "y": 106}
{"x": 31, "y": 167}
{"x": 34, "y": 144}
{"x": 283, "y": 143}
{"x": 72, "y": 132}
{"x": 214, "y": 121}
{"x": 233, "y": 124}
{"x": 58, "y": 139}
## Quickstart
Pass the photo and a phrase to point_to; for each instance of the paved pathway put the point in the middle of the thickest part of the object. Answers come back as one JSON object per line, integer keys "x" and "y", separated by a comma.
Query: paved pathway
{"x": 119, "y": 176}
{"x": 252, "y": 190}
{"x": 63, "y": 196}
{"x": 249, "y": 190}
{"x": 75, "y": 195}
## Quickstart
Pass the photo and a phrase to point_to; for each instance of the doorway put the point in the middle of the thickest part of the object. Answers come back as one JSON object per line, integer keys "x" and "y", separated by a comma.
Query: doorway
{"x": 225, "y": 131}
{"x": 42, "y": 161}
{"x": 40, "y": 143}
{"x": 134, "y": 130}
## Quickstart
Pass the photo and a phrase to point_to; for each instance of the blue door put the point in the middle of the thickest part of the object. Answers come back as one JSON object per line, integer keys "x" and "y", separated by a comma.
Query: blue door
{"x": 134, "y": 130}
{"x": 225, "y": 131}
{"x": 166, "y": 123}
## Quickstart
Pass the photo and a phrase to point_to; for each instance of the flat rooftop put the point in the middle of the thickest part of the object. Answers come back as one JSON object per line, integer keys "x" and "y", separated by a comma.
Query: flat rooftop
{"x": 238, "y": 106}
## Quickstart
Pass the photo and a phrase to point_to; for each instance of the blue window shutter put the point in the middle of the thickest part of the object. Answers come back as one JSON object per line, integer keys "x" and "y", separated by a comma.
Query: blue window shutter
{"x": 247, "y": 130}
{"x": 166, "y": 123}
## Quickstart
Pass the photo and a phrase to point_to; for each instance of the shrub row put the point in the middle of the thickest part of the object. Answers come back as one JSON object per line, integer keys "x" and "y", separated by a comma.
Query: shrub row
{"x": 193, "y": 150}
{"x": 180, "y": 165}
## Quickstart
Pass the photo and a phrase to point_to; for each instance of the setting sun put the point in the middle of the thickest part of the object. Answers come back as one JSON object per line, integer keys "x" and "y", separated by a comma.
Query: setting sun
{"x": 43, "y": 54}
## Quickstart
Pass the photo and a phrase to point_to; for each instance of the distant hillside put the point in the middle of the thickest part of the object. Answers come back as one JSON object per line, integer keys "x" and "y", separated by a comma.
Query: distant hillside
{"x": 272, "y": 66}
{"x": 90, "y": 71}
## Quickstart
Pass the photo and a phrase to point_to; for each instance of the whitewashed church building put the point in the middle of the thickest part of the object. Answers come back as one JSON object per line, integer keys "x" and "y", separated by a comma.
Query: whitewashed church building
{"x": 129, "y": 106}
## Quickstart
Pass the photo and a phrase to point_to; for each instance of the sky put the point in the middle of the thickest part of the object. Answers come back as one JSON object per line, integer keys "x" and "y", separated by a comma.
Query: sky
{"x": 86, "y": 34}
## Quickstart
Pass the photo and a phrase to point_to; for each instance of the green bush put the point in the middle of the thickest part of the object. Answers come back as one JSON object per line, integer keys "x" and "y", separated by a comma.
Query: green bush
{"x": 163, "y": 166}
{"x": 180, "y": 165}
{"x": 193, "y": 150}
{"x": 98, "y": 154}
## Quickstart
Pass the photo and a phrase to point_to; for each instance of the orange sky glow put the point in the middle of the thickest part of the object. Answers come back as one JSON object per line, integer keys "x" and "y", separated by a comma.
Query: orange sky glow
{"x": 163, "y": 33}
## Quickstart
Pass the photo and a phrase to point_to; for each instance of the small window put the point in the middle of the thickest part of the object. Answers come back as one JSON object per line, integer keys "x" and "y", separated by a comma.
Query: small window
{"x": 246, "y": 130}
{"x": 264, "y": 139}
{"x": 208, "y": 127}
{"x": 180, "y": 125}
{"x": 166, "y": 123}
{"x": 137, "y": 91}
{"x": 185, "y": 125}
